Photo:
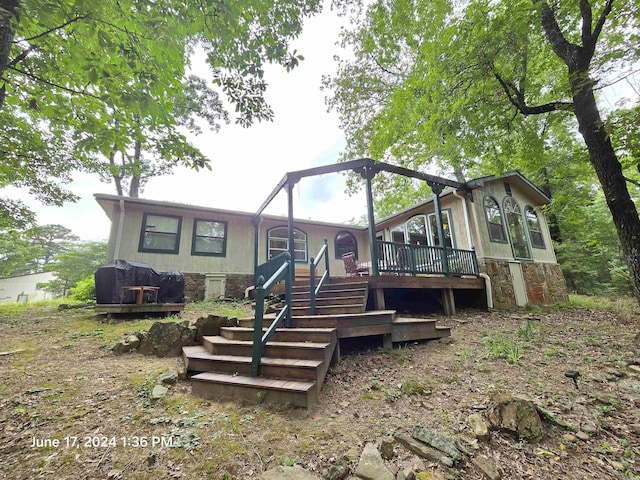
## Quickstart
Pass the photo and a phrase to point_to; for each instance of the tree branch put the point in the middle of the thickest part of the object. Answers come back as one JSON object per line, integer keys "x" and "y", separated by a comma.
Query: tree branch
{"x": 587, "y": 20}
{"x": 603, "y": 18}
{"x": 51, "y": 30}
{"x": 21, "y": 56}
{"x": 632, "y": 181}
{"x": 55, "y": 85}
{"x": 559, "y": 44}
{"x": 517, "y": 100}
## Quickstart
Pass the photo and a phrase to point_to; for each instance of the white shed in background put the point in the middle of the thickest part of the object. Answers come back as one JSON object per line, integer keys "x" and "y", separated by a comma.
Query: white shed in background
{"x": 23, "y": 288}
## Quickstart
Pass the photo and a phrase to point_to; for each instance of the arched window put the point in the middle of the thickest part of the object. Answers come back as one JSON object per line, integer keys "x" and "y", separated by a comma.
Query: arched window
{"x": 345, "y": 242}
{"x": 494, "y": 220}
{"x": 516, "y": 228}
{"x": 278, "y": 242}
{"x": 533, "y": 223}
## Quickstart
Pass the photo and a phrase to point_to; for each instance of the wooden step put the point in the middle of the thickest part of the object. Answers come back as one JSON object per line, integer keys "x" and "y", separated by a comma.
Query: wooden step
{"x": 331, "y": 293}
{"x": 328, "y": 309}
{"x": 405, "y": 329}
{"x": 301, "y": 350}
{"x": 254, "y": 389}
{"x": 348, "y": 325}
{"x": 322, "y": 301}
{"x": 198, "y": 359}
{"x": 315, "y": 335}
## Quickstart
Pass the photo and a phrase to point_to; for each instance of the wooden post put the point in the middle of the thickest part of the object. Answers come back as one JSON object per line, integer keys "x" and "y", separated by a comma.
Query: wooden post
{"x": 368, "y": 173}
{"x": 437, "y": 188}
{"x": 448, "y": 302}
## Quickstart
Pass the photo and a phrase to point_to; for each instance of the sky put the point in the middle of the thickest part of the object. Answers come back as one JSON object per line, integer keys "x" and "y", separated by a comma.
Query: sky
{"x": 247, "y": 163}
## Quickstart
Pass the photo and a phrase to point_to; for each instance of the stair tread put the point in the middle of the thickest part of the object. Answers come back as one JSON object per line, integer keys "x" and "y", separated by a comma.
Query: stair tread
{"x": 374, "y": 313}
{"x": 203, "y": 354}
{"x": 287, "y": 330}
{"x": 221, "y": 340}
{"x": 258, "y": 382}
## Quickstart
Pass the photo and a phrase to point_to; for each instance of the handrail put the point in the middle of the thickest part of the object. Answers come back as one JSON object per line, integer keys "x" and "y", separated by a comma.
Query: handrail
{"x": 262, "y": 290}
{"x": 313, "y": 264}
{"x": 416, "y": 259}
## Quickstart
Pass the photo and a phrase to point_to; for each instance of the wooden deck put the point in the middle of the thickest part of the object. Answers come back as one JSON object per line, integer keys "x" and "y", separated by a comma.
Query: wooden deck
{"x": 110, "y": 309}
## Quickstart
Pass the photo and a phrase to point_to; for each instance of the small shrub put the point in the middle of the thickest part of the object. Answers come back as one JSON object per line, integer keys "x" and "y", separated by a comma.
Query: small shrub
{"x": 85, "y": 290}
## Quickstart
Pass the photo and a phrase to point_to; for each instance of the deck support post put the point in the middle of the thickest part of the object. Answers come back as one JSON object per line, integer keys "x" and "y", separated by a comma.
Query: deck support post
{"x": 378, "y": 299}
{"x": 448, "y": 302}
{"x": 387, "y": 343}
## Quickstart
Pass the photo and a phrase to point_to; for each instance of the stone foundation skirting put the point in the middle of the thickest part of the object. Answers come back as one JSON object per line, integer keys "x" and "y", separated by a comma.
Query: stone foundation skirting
{"x": 234, "y": 285}
{"x": 544, "y": 282}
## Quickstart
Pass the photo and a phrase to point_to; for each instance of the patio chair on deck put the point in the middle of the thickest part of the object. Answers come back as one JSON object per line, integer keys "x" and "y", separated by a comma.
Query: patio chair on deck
{"x": 352, "y": 267}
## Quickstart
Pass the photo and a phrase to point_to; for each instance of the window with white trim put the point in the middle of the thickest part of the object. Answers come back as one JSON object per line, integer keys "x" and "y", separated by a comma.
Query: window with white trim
{"x": 535, "y": 231}
{"x": 160, "y": 233}
{"x": 209, "y": 237}
{"x": 278, "y": 242}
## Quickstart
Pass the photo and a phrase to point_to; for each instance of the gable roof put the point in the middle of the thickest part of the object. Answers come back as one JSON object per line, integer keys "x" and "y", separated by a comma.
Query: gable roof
{"x": 514, "y": 177}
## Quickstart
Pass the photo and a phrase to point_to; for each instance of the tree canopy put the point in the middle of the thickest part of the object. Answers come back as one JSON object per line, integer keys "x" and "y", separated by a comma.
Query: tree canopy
{"x": 483, "y": 87}
{"x": 103, "y": 86}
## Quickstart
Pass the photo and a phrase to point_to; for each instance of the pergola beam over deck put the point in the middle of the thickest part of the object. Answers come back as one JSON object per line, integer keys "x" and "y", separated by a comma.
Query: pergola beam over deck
{"x": 356, "y": 165}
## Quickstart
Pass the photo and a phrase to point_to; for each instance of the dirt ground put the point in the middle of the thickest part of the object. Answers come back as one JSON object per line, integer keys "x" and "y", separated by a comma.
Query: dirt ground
{"x": 70, "y": 408}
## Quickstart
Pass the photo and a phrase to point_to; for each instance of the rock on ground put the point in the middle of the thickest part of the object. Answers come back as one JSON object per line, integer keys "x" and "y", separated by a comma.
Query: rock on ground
{"x": 516, "y": 416}
{"x": 288, "y": 473}
{"x": 371, "y": 466}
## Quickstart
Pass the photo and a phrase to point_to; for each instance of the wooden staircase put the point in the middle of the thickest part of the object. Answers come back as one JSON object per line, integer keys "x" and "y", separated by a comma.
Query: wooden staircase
{"x": 295, "y": 361}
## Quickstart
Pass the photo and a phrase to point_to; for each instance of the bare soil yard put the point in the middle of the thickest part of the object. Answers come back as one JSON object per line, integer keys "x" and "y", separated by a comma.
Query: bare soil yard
{"x": 70, "y": 408}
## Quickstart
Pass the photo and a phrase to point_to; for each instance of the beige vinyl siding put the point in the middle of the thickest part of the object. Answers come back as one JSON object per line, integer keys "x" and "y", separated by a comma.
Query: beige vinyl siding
{"x": 485, "y": 247}
{"x": 316, "y": 233}
{"x": 239, "y": 252}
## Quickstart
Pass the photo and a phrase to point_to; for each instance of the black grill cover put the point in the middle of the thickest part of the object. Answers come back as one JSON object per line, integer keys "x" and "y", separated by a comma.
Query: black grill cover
{"x": 110, "y": 279}
{"x": 171, "y": 285}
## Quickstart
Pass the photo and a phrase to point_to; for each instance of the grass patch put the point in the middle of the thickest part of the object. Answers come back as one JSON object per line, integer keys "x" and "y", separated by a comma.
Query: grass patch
{"x": 618, "y": 304}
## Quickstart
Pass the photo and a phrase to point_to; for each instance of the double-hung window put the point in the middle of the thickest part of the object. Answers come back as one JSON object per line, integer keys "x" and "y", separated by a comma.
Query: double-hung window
{"x": 160, "y": 233}
{"x": 209, "y": 237}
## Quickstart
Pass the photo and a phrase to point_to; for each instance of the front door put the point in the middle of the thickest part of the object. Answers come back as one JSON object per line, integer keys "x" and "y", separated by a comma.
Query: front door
{"x": 518, "y": 283}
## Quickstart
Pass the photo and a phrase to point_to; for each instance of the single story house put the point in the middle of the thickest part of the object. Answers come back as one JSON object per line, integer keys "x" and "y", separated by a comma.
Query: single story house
{"x": 490, "y": 244}
{"x": 24, "y": 288}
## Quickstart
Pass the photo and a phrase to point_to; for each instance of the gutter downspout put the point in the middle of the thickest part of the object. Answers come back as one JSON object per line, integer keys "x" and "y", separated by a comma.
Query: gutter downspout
{"x": 116, "y": 249}
{"x": 487, "y": 289}
{"x": 467, "y": 223}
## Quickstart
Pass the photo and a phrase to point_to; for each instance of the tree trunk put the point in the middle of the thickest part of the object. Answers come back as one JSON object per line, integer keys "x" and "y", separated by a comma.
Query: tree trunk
{"x": 134, "y": 185}
{"x": 117, "y": 178}
{"x": 609, "y": 170}
{"x": 8, "y": 19}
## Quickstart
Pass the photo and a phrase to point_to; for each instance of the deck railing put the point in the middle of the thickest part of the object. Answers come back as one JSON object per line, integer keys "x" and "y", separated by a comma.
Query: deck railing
{"x": 313, "y": 264}
{"x": 415, "y": 259}
{"x": 262, "y": 291}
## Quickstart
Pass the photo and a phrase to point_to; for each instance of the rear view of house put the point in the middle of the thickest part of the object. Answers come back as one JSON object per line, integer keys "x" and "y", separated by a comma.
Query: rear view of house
{"x": 490, "y": 245}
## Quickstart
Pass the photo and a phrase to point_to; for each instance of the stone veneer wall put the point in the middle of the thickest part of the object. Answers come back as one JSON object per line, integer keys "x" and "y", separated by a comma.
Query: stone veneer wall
{"x": 194, "y": 287}
{"x": 235, "y": 285}
{"x": 501, "y": 282}
{"x": 544, "y": 282}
